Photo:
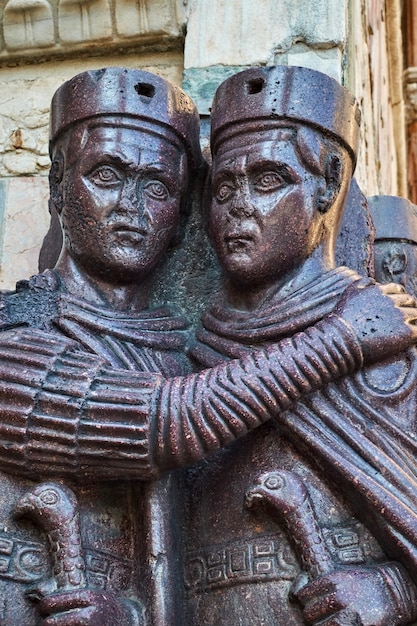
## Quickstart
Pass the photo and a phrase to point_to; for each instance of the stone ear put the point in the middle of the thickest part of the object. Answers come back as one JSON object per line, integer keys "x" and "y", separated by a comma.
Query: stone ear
{"x": 56, "y": 175}
{"x": 333, "y": 176}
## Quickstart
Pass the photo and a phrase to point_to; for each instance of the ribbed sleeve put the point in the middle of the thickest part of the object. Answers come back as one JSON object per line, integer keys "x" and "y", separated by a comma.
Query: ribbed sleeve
{"x": 63, "y": 413}
{"x": 202, "y": 413}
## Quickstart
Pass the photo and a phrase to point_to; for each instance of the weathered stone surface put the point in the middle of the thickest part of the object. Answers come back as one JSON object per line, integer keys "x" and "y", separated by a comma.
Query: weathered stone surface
{"x": 326, "y": 60}
{"x": 135, "y": 17}
{"x": 28, "y": 24}
{"x": 410, "y": 78}
{"x": 84, "y": 20}
{"x": 354, "y": 245}
{"x": 24, "y": 116}
{"x": 42, "y": 29}
{"x": 367, "y": 76}
{"x": 201, "y": 83}
{"x": 24, "y": 125}
{"x": 281, "y": 23}
{"x": 26, "y": 220}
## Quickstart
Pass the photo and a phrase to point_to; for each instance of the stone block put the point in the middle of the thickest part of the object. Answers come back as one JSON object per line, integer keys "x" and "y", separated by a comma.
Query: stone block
{"x": 201, "y": 83}
{"x": 249, "y": 33}
{"x": 84, "y": 20}
{"x": 328, "y": 61}
{"x": 139, "y": 17}
{"x": 24, "y": 122}
{"x": 24, "y": 204}
{"x": 28, "y": 24}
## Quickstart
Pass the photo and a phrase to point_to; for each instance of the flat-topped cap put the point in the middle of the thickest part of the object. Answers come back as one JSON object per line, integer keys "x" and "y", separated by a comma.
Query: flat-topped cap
{"x": 132, "y": 93}
{"x": 394, "y": 218}
{"x": 264, "y": 95}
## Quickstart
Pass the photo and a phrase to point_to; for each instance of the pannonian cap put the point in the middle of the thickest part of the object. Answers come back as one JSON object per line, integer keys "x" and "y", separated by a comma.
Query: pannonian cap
{"x": 262, "y": 95}
{"x": 137, "y": 94}
{"x": 394, "y": 218}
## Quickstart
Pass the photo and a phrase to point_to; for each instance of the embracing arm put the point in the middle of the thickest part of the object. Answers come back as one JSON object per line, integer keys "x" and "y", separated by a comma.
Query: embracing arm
{"x": 63, "y": 413}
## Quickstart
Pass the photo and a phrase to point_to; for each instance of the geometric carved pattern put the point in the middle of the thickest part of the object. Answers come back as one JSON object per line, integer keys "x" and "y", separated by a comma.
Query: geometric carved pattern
{"x": 24, "y": 561}
{"x": 245, "y": 561}
{"x": 107, "y": 571}
{"x": 270, "y": 558}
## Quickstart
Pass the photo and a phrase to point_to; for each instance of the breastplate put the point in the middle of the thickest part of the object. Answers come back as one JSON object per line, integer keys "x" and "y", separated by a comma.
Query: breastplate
{"x": 240, "y": 564}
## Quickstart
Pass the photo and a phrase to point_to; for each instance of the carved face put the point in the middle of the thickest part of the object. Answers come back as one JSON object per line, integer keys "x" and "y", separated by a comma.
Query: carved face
{"x": 263, "y": 219}
{"x": 121, "y": 201}
{"x": 396, "y": 262}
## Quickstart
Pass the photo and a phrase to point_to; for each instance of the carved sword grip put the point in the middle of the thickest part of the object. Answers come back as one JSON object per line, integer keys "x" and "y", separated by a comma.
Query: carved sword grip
{"x": 54, "y": 508}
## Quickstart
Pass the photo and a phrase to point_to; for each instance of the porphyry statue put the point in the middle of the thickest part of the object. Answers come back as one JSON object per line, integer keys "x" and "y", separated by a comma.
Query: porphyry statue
{"x": 94, "y": 389}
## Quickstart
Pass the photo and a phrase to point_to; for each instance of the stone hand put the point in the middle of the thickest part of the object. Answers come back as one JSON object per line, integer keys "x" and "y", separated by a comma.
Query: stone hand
{"x": 85, "y": 607}
{"x": 384, "y": 318}
{"x": 364, "y": 592}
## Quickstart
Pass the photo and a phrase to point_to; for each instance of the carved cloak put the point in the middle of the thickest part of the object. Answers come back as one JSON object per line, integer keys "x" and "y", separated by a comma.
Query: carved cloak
{"x": 361, "y": 430}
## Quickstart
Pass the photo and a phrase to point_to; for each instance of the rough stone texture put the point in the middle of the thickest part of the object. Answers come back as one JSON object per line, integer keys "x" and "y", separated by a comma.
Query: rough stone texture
{"x": 354, "y": 245}
{"x": 25, "y": 95}
{"x": 410, "y": 79}
{"x": 304, "y": 34}
{"x": 254, "y": 32}
{"x": 367, "y": 76}
{"x": 26, "y": 222}
{"x": 201, "y": 83}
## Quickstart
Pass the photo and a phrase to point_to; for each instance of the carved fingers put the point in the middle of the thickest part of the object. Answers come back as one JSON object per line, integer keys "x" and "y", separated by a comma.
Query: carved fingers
{"x": 84, "y": 607}
{"x": 384, "y": 318}
{"x": 354, "y": 597}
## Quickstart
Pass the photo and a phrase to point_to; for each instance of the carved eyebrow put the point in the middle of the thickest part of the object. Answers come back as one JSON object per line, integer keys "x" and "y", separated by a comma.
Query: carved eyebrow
{"x": 224, "y": 172}
{"x": 278, "y": 166}
{"x": 110, "y": 158}
{"x": 227, "y": 170}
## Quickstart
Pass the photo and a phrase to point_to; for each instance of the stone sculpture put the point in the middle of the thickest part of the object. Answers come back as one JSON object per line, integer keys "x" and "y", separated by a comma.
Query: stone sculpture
{"x": 124, "y": 145}
{"x": 282, "y": 163}
{"x": 98, "y": 412}
{"x": 395, "y": 246}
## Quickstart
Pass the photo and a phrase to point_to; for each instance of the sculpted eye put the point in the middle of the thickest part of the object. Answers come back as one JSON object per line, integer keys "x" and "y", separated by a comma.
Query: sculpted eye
{"x": 156, "y": 190}
{"x": 105, "y": 175}
{"x": 269, "y": 181}
{"x": 224, "y": 191}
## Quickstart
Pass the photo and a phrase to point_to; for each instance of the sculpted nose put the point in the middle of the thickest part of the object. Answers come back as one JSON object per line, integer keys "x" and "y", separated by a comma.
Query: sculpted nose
{"x": 241, "y": 205}
{"x": 129, "y": 201}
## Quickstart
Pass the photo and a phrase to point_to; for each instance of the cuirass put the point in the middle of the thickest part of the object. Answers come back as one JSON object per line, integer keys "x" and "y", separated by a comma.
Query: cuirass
{"x": 240, "y": 565}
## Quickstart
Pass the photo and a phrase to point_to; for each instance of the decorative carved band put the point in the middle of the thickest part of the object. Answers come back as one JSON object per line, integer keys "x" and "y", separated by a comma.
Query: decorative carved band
{"x": 269, "y": 558}
{"x": 28, "y": 562}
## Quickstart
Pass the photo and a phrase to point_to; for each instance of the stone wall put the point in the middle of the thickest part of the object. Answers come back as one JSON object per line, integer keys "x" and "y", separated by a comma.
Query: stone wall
{"x": 194, "y": 42}
{"x": 373, "y": 67}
